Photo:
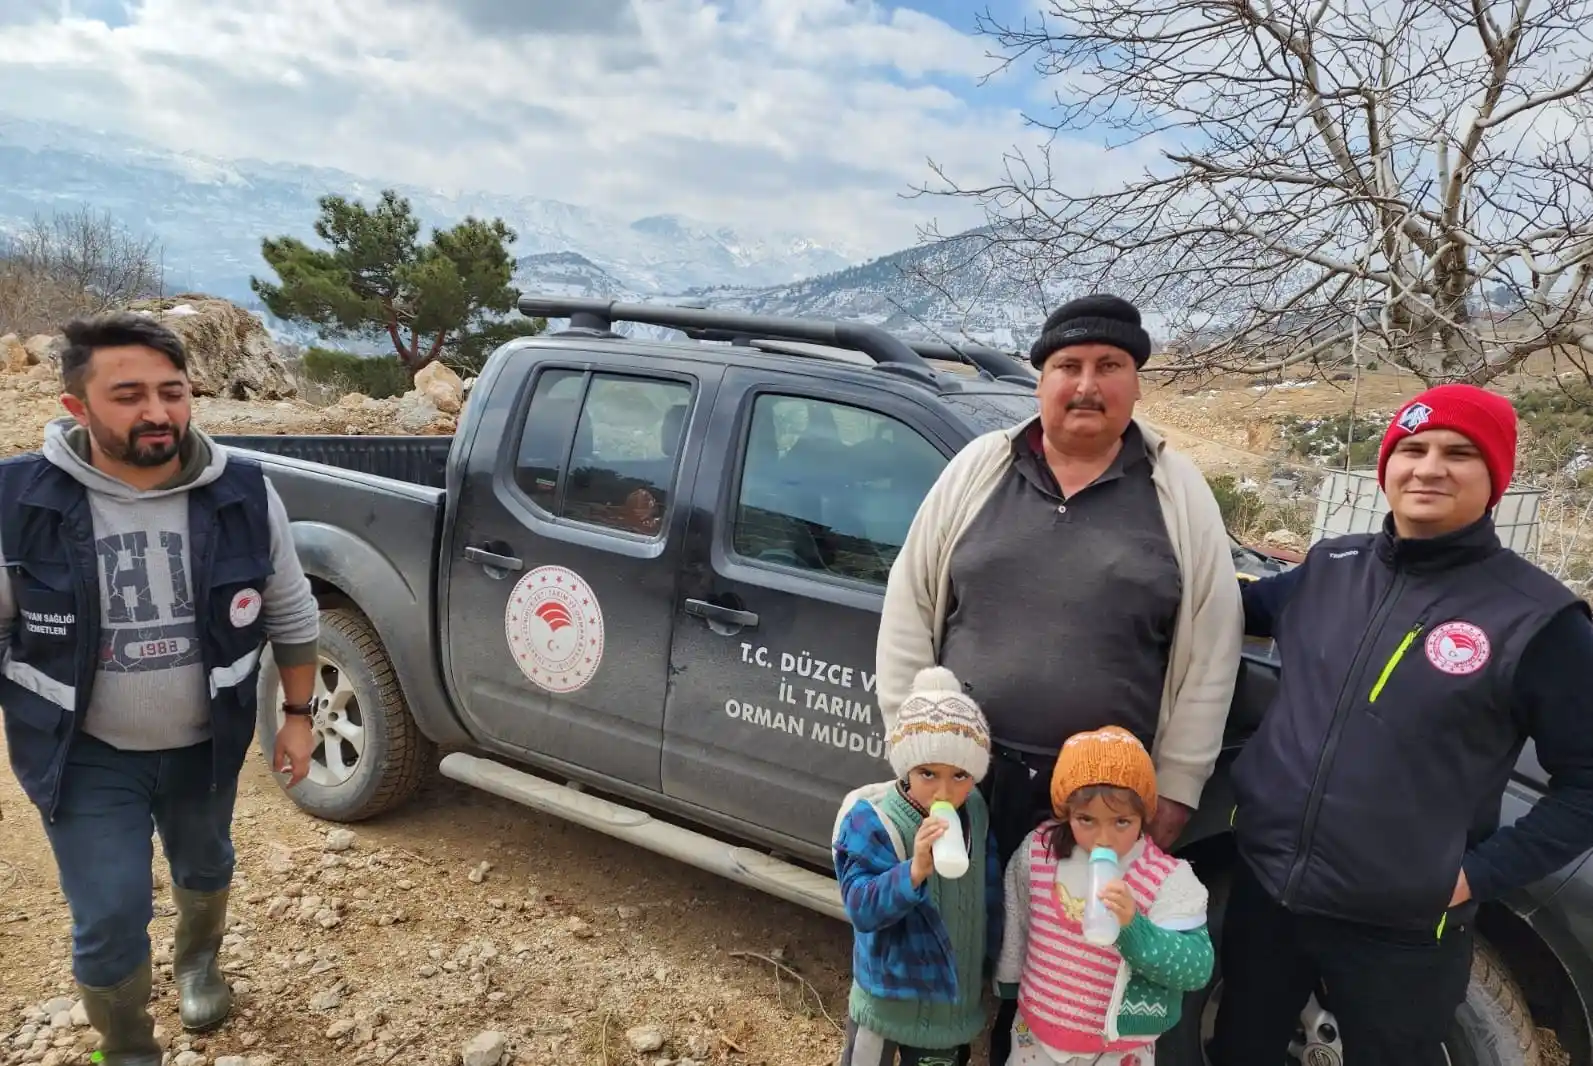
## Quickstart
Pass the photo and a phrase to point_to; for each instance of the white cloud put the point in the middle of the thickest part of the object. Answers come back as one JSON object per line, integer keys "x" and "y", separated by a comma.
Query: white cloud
{"x": 811, "y": 116}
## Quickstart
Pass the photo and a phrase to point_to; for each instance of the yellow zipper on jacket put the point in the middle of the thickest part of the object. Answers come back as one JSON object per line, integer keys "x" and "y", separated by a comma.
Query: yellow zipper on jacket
{"x": 1393, "y": 661}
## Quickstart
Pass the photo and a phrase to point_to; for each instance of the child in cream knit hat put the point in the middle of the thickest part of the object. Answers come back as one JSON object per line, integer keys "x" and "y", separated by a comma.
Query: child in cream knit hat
{"x": 922, "y": 943}
{"x": 1081, "y": 1003}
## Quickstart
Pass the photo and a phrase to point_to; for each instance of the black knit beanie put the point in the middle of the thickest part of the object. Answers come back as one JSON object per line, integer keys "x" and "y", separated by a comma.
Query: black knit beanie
{"x": 1098, "y": 319}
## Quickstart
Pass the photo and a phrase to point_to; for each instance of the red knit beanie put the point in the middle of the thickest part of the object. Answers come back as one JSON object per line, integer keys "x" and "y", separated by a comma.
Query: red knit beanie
{"x": 1485, "y": 418}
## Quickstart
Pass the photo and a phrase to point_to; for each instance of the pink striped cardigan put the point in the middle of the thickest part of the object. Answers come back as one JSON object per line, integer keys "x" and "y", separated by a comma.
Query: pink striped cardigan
{"x": 1071, "y": 991}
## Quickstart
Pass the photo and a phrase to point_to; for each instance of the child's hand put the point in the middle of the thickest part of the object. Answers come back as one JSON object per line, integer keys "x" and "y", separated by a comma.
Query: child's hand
{"x": 1120, "y": 902}
{"x": 923, "y": 849}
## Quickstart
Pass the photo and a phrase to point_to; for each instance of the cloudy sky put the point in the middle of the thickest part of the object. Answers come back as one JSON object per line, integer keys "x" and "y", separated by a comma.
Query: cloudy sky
{"x": 812, "y": 116}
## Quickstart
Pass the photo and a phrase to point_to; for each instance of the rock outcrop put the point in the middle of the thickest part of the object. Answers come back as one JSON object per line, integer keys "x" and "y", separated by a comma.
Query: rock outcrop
{"x": 439, "y": 384}
{"x": 434, "y": 404}
{"x": 14, "y": 355}
{"x": 230, "y": 354}
{"x": 44, "y": 349}
{"x": 1286, "y": 540}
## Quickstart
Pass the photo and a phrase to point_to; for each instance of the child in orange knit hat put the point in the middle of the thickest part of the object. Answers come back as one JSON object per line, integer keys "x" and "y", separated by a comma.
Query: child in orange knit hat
{"x": 1079, "y": 1002}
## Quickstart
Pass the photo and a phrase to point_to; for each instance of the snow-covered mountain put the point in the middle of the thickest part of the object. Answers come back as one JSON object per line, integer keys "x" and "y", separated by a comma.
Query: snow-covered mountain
{"x": 959, "y": 288}
{"x": 954, "y": 289}
{"x": 210, "y": 215}
{"x": 567, "y": 274}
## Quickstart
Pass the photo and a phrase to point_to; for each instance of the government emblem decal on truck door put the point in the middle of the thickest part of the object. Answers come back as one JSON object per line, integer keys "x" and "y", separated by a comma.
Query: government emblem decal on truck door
{"x": 554, "y": 626}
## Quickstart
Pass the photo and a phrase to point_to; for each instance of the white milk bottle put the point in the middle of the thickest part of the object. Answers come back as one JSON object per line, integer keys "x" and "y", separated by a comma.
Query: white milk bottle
{"x": 1100, "y": 924}
{"x": 950, "y": 851}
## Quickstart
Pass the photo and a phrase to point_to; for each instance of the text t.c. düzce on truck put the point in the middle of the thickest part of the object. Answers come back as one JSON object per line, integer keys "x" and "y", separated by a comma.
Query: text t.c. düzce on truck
{"x": 639, "y": 589}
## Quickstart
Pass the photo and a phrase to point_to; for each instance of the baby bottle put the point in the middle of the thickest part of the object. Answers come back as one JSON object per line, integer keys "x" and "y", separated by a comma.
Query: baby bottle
{"x": 1100, "y": 924}
{"x": 950, "y": 852}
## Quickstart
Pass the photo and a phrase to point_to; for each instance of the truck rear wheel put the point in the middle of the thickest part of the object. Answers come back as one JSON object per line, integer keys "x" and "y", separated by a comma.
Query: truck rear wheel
{"x": 369, "y": 755}
{"x": 1494, "y": 1026}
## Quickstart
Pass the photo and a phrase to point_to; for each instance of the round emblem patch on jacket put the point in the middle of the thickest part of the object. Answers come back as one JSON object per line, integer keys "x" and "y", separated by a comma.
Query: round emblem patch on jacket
{"x": 245, "y": 608}
{"x": 1458, "y": 648}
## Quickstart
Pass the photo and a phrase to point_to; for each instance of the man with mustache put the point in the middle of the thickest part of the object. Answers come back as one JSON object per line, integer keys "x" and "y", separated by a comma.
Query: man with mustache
{"x": 145, "y": 571}
{"x": 1075, "y": 572}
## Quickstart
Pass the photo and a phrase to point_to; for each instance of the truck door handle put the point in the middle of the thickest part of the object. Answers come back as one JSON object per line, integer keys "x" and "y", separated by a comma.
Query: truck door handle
{"x": 712, "y": 612}
{"x": 492, "y": 559}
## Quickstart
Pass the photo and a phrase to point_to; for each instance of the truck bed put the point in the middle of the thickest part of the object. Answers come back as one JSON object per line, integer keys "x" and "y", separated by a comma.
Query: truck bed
{"x": 419, "y": 460}
{"x": 367, "y": 514}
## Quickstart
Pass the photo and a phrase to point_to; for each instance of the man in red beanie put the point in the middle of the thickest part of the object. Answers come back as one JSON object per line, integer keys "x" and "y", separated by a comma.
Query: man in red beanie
{"x": 1415, "y": 664}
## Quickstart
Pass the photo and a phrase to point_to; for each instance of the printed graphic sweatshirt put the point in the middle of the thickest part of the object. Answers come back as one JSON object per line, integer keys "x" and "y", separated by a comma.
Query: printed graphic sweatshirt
{"x": 149, "y": 701}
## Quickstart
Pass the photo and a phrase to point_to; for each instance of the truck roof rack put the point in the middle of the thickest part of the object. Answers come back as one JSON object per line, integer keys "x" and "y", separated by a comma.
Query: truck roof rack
{"x": 890, "y": 353}
{"x": 1003, "y": 366}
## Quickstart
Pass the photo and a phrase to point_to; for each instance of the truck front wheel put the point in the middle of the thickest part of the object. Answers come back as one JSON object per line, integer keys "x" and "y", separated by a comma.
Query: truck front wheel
{"x": 369, "y": 756}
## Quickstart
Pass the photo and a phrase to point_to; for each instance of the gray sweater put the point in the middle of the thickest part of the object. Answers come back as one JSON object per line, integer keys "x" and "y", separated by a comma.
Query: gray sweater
{"x": 150, "y": 692}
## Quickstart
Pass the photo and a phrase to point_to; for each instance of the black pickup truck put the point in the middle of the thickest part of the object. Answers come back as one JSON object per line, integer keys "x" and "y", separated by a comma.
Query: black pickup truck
{"x": 639, "y": 590}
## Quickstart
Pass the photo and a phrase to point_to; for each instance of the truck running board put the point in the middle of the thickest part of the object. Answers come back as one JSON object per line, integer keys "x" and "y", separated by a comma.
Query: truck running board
{"x": 754, "y": 869}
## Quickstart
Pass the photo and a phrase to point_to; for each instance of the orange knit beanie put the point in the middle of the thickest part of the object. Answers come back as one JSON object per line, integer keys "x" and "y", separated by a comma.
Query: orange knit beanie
{"x": 1110, "y": 756}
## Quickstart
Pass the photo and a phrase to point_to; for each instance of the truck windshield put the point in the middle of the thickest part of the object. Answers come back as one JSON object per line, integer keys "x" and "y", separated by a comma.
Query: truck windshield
{"x": 987, "y": 411}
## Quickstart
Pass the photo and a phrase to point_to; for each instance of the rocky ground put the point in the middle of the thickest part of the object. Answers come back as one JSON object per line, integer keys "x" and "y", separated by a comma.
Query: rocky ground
{"x": 462, "y": 928}
{"x": 1231, "y": 425}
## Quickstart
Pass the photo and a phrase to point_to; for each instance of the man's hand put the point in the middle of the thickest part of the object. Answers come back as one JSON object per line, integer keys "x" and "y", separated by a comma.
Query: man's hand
{"x": 1462, "y": 891}
{"x": 923, "y": 849}
{"x": 1120, "y": 902}
{"x": 1171, "y": 817}
{"x": 295, "y": 745}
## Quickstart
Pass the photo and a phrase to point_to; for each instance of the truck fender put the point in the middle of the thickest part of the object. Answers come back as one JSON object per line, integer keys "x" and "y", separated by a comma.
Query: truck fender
{"x": 401, "y": 614}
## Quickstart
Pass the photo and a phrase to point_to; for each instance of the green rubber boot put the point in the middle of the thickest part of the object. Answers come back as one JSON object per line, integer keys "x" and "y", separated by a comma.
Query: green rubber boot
{"x": 204, "y": 999}
{"x": 121, "y": 1016}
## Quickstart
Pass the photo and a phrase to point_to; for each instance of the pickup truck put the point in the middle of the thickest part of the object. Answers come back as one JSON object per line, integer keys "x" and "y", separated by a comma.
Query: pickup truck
{"x": 639, "y": 588}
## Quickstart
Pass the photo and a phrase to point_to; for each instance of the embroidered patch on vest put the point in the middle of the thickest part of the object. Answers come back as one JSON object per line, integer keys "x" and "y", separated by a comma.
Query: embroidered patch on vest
{"x": 1458, "y": 648}
{"x": 245, "y": 608}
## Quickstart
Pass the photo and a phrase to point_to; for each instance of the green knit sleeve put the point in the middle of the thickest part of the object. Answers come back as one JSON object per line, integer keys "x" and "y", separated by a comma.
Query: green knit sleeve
{"x": 1174, "y": 959}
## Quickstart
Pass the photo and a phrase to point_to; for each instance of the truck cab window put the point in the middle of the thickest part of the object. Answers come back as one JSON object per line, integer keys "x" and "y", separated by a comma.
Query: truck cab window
{"x": 829, "y": 487}
{"x": 545, "y": 441}
{"x": 619, "y": 468}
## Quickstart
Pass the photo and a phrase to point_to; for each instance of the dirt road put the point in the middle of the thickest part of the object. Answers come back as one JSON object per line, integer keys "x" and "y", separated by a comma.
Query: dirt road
{"x": 573, "y": 948}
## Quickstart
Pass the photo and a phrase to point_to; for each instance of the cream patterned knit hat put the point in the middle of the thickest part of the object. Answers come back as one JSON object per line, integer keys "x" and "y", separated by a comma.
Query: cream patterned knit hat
{"x": 939, "y": 723}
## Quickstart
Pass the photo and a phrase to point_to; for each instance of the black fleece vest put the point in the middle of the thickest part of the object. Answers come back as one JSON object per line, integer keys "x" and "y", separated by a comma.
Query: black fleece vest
{"x": 1394, "y": 731}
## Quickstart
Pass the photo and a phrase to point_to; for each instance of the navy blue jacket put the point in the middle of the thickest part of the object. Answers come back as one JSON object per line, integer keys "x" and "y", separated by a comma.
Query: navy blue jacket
{"x": 1413, "y": 671}
{"x": 47, "y": 536}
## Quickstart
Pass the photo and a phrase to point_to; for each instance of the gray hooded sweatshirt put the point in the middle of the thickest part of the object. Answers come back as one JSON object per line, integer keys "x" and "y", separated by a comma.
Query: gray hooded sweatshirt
{"x": 150, "y": 692}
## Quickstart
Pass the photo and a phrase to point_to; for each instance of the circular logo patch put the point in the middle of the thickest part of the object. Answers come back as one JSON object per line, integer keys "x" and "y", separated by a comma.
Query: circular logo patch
{"x": 245, "y": 608}
{"x": 555, "y": 629}
{"x": 1458, "y": 648}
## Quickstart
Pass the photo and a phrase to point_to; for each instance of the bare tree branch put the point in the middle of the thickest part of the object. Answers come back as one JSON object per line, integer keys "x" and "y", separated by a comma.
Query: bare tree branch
{"x": 72, "y": 263}
{"x": 1323, "y": 168}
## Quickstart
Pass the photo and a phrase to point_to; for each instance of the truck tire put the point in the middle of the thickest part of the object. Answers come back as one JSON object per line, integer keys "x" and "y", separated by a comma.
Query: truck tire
{"x": 358, "y": 693}
{"x": 1493, "y": 1027}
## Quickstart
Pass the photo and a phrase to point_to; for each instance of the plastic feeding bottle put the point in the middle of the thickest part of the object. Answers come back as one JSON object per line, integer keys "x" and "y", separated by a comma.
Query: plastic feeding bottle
{"x": 950, "y": 852}
{"x": 1100, "y": 924}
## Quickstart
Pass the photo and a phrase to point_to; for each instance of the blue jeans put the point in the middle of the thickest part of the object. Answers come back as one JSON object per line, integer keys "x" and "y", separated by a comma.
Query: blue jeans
{"x": 103, "y": 845}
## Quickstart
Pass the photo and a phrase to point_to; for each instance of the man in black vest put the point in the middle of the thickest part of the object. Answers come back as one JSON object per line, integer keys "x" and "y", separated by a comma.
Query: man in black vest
{"x": 145, "y": 570}
{"x": 1415, "y": 664}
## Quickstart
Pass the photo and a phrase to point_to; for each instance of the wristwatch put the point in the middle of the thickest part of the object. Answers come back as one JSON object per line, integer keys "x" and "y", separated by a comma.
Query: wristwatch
{"x": 303, "y": 710}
